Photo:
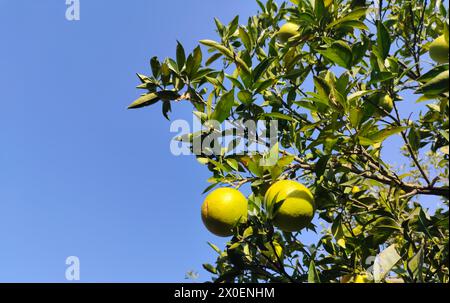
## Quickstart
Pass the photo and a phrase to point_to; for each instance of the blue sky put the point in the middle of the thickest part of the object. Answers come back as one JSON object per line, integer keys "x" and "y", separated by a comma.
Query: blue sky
{"x": 79, "y": 174}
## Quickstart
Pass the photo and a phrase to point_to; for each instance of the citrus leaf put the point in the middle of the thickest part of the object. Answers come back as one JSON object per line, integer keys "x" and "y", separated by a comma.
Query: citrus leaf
{"x": 384, "y": 262}
{"x": 228, "y": 53}
{"x": 313, "y": 275}
{"x": 382, "y": 135}
{"x": 352, "y": 16}
{"x": 383, "y": 40}
{"x": 278, "y": 116}
{"x": 339, "y": 52}
{"x": 145, "y": 100}
{"x": 223, "y": 107}
{"x": 437, "y": 85}
{"x": 181, "y": 56}
{"x": 261, "y": 68}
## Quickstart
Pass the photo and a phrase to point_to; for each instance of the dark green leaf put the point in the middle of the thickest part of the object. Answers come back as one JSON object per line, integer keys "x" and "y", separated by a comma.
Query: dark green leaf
{"x": 261, "y": 68}
{"x": 223, "y": 107}
{"x": 437, "y": 85}
{"x": 181, "y": 55}
{"x": 145, "y": 100}
{"x": 383, "y": 40}
{"x": 339, "y": 52}
{"x": 156, "y": 67}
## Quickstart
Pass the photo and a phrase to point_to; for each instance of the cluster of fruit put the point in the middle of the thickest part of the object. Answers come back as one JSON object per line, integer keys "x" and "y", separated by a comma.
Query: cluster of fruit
{"x": 289, "y": 205}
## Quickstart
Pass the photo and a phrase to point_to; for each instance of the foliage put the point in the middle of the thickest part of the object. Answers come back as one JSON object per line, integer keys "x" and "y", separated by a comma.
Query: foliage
{"x": 322, "y": 86}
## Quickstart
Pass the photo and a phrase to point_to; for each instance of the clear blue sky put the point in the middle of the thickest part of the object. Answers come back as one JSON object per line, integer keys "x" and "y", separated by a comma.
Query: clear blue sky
{"x": 79, "y": 174}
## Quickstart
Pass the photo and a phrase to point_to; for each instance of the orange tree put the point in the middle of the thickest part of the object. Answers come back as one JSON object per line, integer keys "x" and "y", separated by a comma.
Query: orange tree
{"x": 334, "y": 75}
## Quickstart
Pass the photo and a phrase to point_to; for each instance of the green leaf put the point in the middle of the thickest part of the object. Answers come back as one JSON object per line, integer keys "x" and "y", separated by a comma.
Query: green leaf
{"x": 167, "y": 95}
{"x": 173, "y": 66}
{"x": 313, "y": 275}
{"x": 356, "y": 115}
{"x": 261, "y": 68}
{"x": 166, "y": 108}
{"x": 431, "y": 74}
{"x": 357, "y": 95}
{"x": 278, "y": 116}
{"x": 444, "y": 134}
{"x": 382, "y": 135}
{"x": 384, "y": 262}
{"x": 245, "y": 96}
{"x": 210, "y": 268}
{"x": 143, "y": 78}
{"x": 248, "y": 232}
{"x": 228, "y": 53}
{"x": 165, "y": 73}
{"x": 354, "y": 24}
{"x": 245, "y": 38}
{"x": 322, "y": 87}
{"x": 339, "y": 52}
{"x": 272, "y": 157}
{"x": 223, "y": 107}
{"x": 414, "y": 139}
{"x": 214, "y": 81}
{"x": 261, "y": 86}
{"x": 233, "y": 163}
{"x": 216, "y": 249}
{"x": 285, "y": 161}
{"x": 181, "y": 55}
{"x": 213, "y": 58}
{"x": 232, "y": 26}
{"x": 145, "y": 100}
{"x": 352, "y": 16}
{"x": 383, "y": 40}
{"x": 197, "y": 59}
{"x": 235, "y": 82}
{"x": 155, "y": 66}
{"x": 436, "y": 86}
{"x": 415, "y": 265}
{"x": 321, "y": 165}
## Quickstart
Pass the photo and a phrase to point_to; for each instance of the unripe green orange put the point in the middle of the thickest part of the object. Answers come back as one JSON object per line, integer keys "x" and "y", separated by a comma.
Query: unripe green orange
{"x": 382, "y": 100}
{"x": 287, "y": 31}
{"x": 386, "y": 103}
{"x": 439, "y": 50}
{"x": 223, "y": 209}
{"x": 290, "y": 205}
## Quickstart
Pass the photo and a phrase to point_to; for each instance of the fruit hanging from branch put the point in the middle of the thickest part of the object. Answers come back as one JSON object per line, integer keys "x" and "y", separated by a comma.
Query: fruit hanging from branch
{"x": 223, "y": 209}
{"x": 287, "y": 31}
{"x": 290, "y": 205}
{"x": 439, "y": 50}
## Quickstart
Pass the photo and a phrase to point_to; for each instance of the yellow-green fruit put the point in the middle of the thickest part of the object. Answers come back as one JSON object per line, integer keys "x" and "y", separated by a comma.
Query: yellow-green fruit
{"x": 290, "y": 205}
{"x": 223, "y": 209}
{"x": 272, "y": 254}
{"x": 384, "y": 101}
{"x": 355, "y": 189}
{"x": 287, "y": 31}
{"x": 439, "y": 50}
{"x": 361, "y": 279}
{"x": 327, "y": 3}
